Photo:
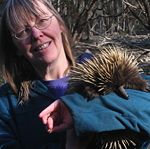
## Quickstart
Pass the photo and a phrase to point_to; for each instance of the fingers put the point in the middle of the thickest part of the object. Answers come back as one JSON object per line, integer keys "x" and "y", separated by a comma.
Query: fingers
{"x": 54, "y": 125}
{"x": 50, "y": 124}
{"x": 58, "y": 128}
{"x": 53, "y": 120}
{"x": 56, "y": 117}
{"x": 47, "y": 112}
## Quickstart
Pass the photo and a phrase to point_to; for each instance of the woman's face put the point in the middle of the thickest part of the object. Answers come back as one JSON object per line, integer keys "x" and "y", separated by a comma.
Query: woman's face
{"x": 42, "y": 46}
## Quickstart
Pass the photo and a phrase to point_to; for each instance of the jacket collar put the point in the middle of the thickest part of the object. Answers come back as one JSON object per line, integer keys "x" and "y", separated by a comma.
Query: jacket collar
{"x": 37, "y": 87}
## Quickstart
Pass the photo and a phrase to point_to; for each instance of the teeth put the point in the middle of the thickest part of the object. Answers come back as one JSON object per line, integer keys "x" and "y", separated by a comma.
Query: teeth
{"x": 43, "y": 46}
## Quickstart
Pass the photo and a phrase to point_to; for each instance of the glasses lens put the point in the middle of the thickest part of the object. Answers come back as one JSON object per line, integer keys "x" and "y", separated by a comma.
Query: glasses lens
{"x": 23, "y": 34}
{"x": 43, "y": 23}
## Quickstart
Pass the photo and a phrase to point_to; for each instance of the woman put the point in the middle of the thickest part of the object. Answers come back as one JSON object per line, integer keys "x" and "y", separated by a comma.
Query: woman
{"x": 35, "y": 60}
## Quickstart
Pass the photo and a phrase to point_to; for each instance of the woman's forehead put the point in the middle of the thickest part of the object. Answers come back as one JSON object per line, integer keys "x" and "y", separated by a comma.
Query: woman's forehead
{"x": 32, "y": 9}
{"x": 27, "y": 14}
{"x": 41, "y": 8}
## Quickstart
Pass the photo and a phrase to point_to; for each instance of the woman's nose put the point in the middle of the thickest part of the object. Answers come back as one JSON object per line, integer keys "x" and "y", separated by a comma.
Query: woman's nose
{"x": 36, "y": 33}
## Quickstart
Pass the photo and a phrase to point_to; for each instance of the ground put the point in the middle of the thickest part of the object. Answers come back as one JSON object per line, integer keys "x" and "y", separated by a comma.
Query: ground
{"x": 139, "y": 45}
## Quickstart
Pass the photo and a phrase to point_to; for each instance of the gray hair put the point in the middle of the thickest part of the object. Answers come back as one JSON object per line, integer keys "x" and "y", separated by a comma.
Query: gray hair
{"x": 18, "y": 12}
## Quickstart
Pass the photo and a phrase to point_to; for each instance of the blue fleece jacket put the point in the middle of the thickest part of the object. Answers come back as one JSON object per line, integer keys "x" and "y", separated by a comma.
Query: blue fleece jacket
{"x": 20, "y": 126}
{"x": 111, "y": 112}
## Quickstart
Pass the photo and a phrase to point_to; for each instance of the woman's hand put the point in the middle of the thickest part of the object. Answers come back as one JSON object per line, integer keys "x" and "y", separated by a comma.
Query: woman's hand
{"x": 56, "y": 117}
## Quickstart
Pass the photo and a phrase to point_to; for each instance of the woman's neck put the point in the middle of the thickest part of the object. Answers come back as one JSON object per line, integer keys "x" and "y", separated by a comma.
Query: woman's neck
{"x": 54, "y": 70}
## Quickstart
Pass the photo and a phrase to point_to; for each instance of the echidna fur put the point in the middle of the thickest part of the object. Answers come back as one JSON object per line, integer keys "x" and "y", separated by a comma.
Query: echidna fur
{"x": 110, "y": 70}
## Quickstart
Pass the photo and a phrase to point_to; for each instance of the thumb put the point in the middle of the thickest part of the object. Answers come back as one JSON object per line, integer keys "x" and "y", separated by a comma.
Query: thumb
{"x": 47, "y": 112}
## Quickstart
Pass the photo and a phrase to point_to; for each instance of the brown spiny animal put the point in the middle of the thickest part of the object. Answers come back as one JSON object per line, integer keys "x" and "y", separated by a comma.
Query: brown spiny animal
{"x": 112, "y": 69}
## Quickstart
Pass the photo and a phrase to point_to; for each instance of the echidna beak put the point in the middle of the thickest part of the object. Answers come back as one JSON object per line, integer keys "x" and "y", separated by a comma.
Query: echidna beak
{"x": 121, "y": 92}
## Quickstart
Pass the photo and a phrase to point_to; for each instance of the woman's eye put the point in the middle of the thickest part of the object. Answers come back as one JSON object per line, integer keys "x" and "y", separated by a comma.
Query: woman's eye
{"x": 23, "y": 32}
{"x": 27, "y": 30}
{"x": 42, "y": 20}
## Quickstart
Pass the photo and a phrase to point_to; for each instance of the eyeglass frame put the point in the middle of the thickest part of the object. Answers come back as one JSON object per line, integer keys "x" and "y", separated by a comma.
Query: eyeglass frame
{"x": 35, "y": 25}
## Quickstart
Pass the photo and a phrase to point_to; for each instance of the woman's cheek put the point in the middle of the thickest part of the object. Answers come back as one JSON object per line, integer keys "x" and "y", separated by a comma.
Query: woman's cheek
{"x": 21, "y": 48}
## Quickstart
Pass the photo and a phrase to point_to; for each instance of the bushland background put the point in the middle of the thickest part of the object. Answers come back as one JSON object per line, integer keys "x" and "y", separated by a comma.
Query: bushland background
{"x": 98, "y": 23}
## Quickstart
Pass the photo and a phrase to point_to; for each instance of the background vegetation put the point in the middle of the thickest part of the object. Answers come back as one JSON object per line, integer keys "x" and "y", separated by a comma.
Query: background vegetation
{"x": 94, "y": 23}
{"x": 100, "y": 17}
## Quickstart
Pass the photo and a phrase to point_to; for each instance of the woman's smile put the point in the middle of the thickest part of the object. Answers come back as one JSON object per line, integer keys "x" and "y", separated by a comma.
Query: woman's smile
{"x": 42, "y": 47}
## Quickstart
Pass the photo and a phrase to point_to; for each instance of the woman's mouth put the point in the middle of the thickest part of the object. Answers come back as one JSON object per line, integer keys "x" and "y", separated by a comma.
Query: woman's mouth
{"x": 41, "y": 47}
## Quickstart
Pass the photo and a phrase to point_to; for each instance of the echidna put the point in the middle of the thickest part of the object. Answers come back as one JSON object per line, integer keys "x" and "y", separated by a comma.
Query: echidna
{"x": 112, "y": 69}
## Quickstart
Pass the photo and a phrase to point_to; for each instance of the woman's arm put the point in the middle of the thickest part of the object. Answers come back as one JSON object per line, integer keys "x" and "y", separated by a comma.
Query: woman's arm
{"x": 106, "y": 113}
{"x": 110, "y": 112}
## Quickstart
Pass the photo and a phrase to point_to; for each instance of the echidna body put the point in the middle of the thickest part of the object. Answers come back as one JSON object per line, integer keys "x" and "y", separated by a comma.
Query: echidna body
{"x": 112, "y": 69}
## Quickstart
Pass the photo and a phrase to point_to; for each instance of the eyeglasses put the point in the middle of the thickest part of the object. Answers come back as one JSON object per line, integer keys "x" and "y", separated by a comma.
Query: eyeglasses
{"x": 40, "y": 24}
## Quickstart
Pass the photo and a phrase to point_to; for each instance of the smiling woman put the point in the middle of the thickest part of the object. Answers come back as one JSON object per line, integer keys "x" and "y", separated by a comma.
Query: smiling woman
{"x": 35, "y": 58}
{"x": 38, "y": 37}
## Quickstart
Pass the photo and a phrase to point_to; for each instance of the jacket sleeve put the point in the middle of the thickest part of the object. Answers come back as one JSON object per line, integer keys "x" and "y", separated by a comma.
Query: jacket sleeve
{"x": 110, "y": 112}
{"x": 8, "y": 135}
